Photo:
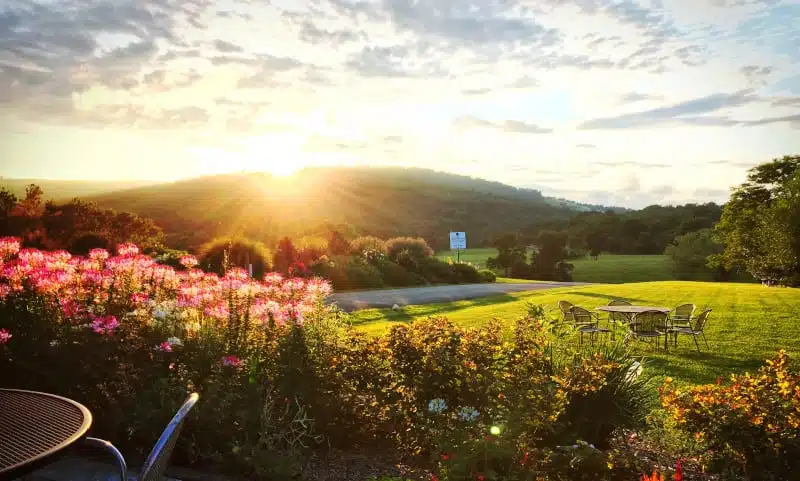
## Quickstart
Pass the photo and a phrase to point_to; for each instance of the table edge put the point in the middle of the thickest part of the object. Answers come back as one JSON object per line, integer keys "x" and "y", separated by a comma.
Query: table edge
{"x": 40, "y": 458}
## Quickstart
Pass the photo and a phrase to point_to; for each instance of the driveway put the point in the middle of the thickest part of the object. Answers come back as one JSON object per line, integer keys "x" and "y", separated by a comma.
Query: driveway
{"x": 351, "y": 301}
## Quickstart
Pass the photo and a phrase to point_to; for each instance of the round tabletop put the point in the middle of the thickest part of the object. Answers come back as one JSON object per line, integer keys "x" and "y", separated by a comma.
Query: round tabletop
{"x": 35, "y": 427}
{"x": 632, "y": 309}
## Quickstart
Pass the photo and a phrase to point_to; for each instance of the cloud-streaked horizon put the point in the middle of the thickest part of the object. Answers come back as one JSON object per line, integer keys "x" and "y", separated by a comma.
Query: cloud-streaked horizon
{"x": 631, "y": 101}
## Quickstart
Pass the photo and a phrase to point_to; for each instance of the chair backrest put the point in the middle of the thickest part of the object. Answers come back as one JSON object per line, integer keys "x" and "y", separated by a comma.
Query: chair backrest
{"x": 619, "y": 302}
{"x": 566, "y": 313}
{"x": 700, "y": 320}
{"x": 581, "y": 315}
{"x": 683, "y": 312}
{"x": 650, "y": 321}
{"x": 157, "y": 461}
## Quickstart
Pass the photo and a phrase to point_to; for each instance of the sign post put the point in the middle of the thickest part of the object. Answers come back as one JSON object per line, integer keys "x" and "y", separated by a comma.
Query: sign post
{"x": 458, "y": 241}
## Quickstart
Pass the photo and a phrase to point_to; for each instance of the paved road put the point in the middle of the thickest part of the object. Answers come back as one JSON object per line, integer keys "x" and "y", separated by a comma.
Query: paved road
{"x": 351, "y": 301}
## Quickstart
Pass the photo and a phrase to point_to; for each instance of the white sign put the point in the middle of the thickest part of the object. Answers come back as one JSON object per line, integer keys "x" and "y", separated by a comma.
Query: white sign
{"x": 458, "y": 240}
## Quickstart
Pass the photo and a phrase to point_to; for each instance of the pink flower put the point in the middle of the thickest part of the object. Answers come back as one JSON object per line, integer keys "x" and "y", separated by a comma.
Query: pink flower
{"x": 69, "y": 307}
{"x": 188, "y": 261}
{"x": 98, "y": 254}
{"x": 8, "y": 246}
{"x": 139, "y": 298}
{"x": 127, "y": 249}
{"x": 164, "y": 347}
{"x": 232, "y": 361}
{"x": 4, "y": 336}
{"x": 218, "y": 311}
{"x": 104, "y": 324}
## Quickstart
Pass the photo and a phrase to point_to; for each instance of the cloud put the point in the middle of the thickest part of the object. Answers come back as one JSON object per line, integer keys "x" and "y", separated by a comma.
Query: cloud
{"x": 732, "y": 163}
{"x": 227, "y": 47}
{"x": 513, "y": 126}
{"x": 632, "y": 97}
{"x": 630, "y": 163}
{"x": 676, "y": 113}
{"x": 394, "y": 61}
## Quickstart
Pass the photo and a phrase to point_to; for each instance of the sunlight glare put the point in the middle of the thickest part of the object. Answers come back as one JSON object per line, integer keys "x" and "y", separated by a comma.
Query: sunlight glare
{"x": 279, "y": 154}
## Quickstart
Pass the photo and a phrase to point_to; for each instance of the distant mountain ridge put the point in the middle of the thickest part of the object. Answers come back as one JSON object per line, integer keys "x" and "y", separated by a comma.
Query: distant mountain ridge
{"x": 382, "y": 201}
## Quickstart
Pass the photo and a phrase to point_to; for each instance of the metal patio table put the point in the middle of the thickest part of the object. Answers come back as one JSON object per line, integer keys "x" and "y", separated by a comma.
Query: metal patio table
{"x": 36, "y": 428}
{"x": 636, "y": 310}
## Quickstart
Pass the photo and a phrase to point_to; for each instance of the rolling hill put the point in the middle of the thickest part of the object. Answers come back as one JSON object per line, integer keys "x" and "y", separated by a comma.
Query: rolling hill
{"x": 384, "y": 202}
{"x": 62, "y": 190}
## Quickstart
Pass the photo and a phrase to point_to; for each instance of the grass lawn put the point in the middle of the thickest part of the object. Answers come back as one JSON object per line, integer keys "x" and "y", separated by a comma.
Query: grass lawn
{"x": 608, "y": 269}
{"x": 749, "y": 323}
{"x": 617, "y": 269}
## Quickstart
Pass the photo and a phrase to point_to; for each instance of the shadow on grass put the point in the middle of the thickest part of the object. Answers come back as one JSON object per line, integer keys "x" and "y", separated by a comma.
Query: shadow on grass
{"x": 703, "y": 367}
{"x": 409, "y": 313}
{"x": 603, "y": 296}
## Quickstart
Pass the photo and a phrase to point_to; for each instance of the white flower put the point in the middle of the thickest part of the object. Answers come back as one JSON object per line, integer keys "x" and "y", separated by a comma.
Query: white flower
{"x": 468, "y": 414}
{"x": 54, "y": 343}
{"x": 174, "y": 341}
{"x": 160, "y": 313}
{"x": 437, "y": 406}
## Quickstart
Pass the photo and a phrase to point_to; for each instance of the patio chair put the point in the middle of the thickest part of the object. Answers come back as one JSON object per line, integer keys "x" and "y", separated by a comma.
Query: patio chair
{"x": 586, "y": 322}
{"x": 564, "y": 307}
{"x": 682, "y": 316}
{"x": 649, "y": 325}
{"x": 152, "y": 470}
{"x": 697, "y": 330}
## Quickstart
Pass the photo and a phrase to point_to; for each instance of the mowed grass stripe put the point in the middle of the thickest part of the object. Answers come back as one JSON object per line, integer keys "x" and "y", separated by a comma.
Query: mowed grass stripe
{"x": 748, "y": 325}
{"x": 609, "y": 268}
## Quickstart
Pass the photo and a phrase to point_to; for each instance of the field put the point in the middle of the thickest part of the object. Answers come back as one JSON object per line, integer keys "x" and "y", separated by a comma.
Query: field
{"x": 748, "y": 324}
{"x": 609, "y": 268}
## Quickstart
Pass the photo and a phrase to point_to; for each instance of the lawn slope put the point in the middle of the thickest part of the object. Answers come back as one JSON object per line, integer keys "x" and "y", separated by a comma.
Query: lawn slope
{"x": 749, "y": 322}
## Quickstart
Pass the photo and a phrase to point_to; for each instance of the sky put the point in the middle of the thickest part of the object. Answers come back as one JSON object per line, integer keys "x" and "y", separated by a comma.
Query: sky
{"x": 628, "y": 103}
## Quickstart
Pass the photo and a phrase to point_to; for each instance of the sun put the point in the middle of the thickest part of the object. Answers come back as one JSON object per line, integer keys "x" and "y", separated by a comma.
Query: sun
{"x": 278, "y": 154}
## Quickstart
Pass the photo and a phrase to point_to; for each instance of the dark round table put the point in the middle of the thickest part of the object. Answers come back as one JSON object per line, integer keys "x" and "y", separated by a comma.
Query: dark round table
{"x": 35, "y": 428}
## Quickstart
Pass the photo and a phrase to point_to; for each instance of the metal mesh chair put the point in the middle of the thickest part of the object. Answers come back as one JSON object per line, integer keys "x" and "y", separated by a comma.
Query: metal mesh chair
{"x": 586, "y": 322}
{"x": 566, "y": 313}
{"x": 698, "y": 329}
{"x": 682, "y": 316}
{"x": 649, "y": 325}
{"x": 70, "y": 469}
{"x": 621, "y": 318}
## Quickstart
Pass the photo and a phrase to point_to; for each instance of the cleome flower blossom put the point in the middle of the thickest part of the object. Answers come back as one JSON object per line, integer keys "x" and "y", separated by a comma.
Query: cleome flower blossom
{"x": 5, "y": 336}
{"x": 106, "y": 292}
{"x": 188, "y": 261}
{"x": 104, "y": 324}
{"x": 232, "y": 361}
{"x": 468, "y": 414}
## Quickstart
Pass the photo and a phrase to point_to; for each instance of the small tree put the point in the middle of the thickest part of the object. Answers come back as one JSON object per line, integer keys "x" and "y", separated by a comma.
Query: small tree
{"x": 337, "y": 244}
{"x": 690, "y": 255}
{"x": 510, "y": 253}
{"x": 285, "y": 255}
{"x": 549, "y": 257}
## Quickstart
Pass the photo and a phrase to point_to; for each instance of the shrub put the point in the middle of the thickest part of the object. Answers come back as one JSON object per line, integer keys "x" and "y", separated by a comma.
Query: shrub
{"x": 359, "y": 245}
{"x": 409, "y": 252}
{"x": 436, "y": 271}
{"x": 621, "y": 402}
{"x": 750, "y": 426}
{"x": 488, "y": 275}
{"x": 346, "y": 274}
{"x": 465, "y": 273}
{"x": 221, "y": 254}
{"x": 395, "y": 275}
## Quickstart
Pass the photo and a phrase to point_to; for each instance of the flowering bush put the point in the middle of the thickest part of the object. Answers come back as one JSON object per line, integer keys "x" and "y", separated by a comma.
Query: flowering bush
{"x": 123, "y": 333}
{"x": 750, "y": 427}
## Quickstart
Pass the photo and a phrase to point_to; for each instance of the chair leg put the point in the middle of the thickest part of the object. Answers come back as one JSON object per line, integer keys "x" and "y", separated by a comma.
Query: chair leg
{"x": 695, "y": 342}
{"x": 706, "y": 340}
{"x": 123, "y": 467}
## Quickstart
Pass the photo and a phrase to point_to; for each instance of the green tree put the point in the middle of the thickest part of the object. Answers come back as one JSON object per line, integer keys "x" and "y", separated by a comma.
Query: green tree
{"x": 690, "y": 256}
{"x": 760, "y": 224}
{"x": 511, "y": 252}
{"x": 548, "y": 261}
